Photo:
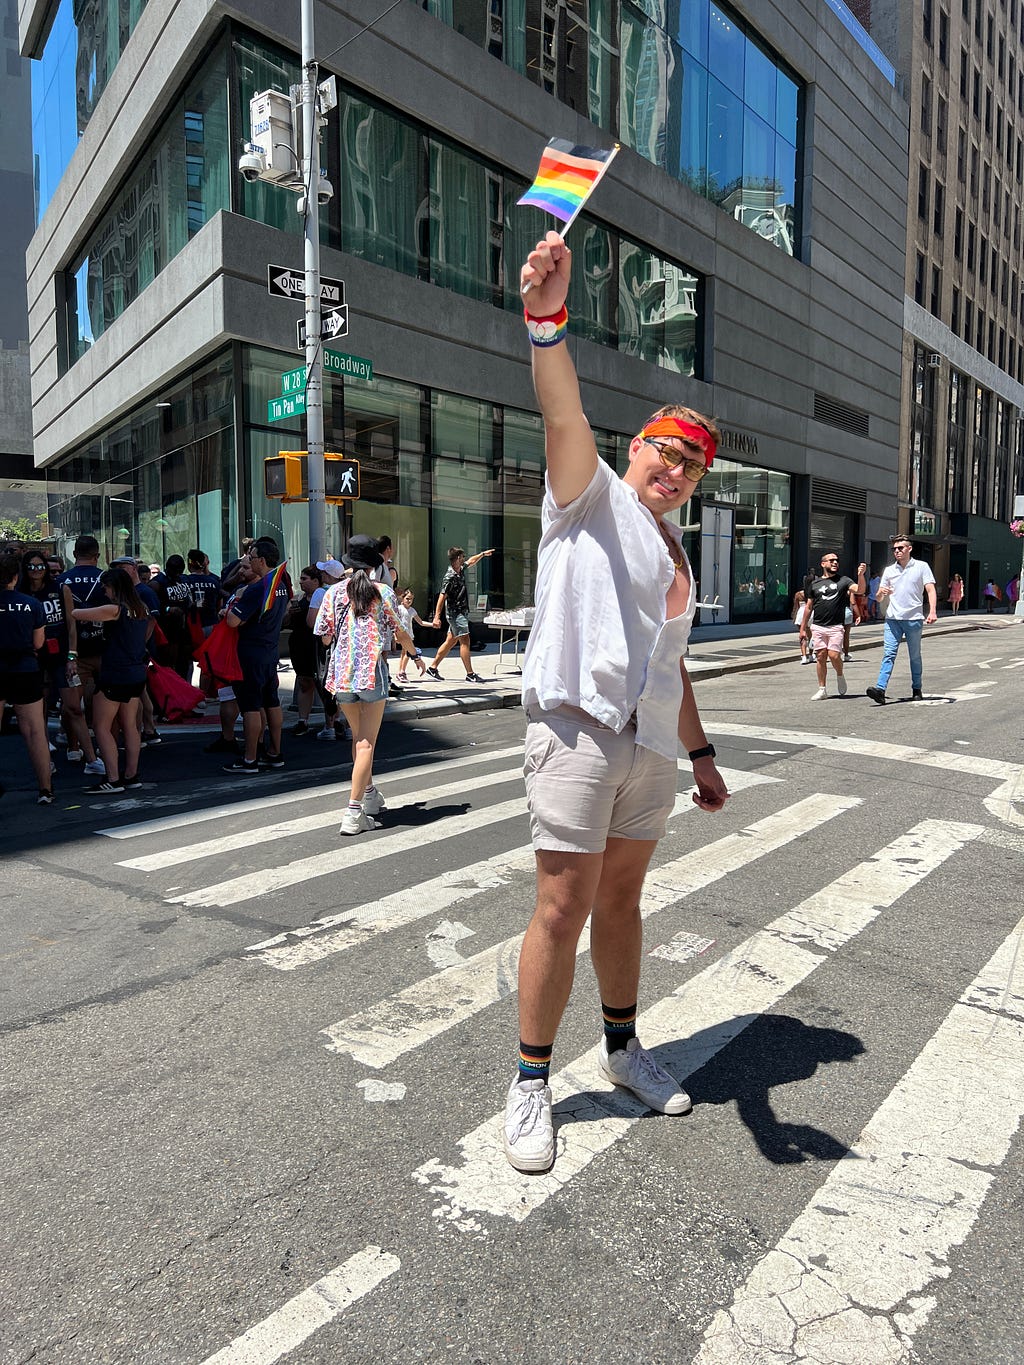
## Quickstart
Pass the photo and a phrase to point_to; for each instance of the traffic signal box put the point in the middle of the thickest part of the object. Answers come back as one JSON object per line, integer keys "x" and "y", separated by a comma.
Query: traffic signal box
{"x": 285, "y": 477}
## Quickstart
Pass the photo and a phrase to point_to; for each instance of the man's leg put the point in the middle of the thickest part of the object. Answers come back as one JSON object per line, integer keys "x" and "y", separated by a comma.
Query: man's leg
{"x": 275, "y": 722}
{"x": 252, "y": 728}
{"x": 616, "y": 933}
{"x": 445, "y": 649}
{"x": 892, "y": 634}
{"x": 566, "y": 887}
{"x": 467, "y": 662}
{"x": 912, "y": 631}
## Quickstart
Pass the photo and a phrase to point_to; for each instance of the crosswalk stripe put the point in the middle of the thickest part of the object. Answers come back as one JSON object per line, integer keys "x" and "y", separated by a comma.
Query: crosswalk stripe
{"x": 323, "y": 820}
{"x": 357, "y": 851}
{"x": 392, "y": 1027}
{"x": 314, "y": 942}
{"x": 862, "y": 1261}
{"x": 273, "y": 802}
{"x": 307, "y": 1312}
{"x": 689, "y": 1027}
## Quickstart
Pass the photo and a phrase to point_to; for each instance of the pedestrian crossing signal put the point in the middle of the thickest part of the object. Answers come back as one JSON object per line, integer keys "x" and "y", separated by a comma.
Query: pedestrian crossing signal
{"x": 285, "y": 477}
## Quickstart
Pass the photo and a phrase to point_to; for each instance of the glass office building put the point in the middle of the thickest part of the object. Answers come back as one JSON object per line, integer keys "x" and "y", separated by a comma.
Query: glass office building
{"x": 690, "y": 283}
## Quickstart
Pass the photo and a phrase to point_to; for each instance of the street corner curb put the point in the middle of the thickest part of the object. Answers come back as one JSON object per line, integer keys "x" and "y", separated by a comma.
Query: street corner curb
{"x": 455, "y": 705}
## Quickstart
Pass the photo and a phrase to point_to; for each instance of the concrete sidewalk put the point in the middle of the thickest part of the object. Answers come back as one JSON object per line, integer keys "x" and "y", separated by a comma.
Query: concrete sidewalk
{"x": 714, "y": 651}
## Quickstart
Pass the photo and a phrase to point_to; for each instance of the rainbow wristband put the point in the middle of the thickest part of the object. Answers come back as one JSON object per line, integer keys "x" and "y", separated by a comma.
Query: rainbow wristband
{"x": 547, "y": 331}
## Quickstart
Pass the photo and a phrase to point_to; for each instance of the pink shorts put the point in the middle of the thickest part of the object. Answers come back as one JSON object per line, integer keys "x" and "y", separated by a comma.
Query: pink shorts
{"x": 827, "y": 637}
{"x": 585, "y": 784}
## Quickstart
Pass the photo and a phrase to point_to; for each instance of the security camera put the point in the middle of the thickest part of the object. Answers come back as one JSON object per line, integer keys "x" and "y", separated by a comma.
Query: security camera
{"x": 252, "y": 164}
{"x": 324, "y": 194}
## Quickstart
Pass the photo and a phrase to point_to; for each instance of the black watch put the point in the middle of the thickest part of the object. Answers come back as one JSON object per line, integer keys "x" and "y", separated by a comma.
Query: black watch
{"x": 707, "y": 752}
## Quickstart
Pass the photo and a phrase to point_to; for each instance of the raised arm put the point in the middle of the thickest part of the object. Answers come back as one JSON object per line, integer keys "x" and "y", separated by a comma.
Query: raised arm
{"x": 569, "y": 442}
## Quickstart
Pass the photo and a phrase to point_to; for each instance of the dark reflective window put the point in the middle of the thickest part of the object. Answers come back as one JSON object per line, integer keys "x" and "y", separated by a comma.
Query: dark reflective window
{"x": 83, "y": 47}
{"x": 383, "y": 186}
{"x": 173, "y": 190}
{"x": 659, "y": 309}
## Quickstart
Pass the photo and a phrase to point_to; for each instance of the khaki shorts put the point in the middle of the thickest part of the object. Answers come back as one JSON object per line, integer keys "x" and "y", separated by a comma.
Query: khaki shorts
{"x": 585, "y": 784}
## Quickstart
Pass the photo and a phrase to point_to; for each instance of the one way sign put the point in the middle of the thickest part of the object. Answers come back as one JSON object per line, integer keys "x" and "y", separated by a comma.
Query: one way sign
{"x": 332, "y": 326}
{"x": 291, "y": 284}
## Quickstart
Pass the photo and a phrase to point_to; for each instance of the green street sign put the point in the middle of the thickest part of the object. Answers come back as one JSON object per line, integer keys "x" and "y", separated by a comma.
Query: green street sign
{"x": 280, "y": 409}
{"x": 339, "y": 362}
{"x": 294, "y": 381}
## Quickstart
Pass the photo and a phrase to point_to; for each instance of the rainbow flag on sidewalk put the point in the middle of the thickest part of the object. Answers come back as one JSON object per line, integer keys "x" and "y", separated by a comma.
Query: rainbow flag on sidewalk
{"x": 566, "y": 177}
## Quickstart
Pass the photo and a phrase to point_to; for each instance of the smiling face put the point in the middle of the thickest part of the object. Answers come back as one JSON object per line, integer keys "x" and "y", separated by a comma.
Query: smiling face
{"x": 661, "y": 489}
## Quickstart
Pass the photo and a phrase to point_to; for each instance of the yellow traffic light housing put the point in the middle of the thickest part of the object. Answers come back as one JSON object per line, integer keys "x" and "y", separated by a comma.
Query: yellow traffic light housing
{"x": 285, "y": 476}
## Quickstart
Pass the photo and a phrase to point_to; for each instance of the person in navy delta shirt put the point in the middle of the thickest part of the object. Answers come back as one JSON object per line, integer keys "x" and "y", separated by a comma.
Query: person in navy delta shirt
{"x": 59, "y": 657}
{"x": 133, "y": 568}
{"x": 258, "y": 622}
{"x": 205, "y": 589}
{"x": 22, "y": 633}
{"x": 122, "y": 679}
{"x": 82, "y": 581}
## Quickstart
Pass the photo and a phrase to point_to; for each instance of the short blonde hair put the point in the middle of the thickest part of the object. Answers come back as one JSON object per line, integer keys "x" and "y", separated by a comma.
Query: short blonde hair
{"x": 687, "y": 415}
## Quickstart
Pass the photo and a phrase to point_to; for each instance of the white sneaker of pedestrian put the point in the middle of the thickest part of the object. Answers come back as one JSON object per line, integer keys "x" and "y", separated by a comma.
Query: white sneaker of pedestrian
{"x": 633, "y": 1068}
{"x": 373, "y": 802}
{"x": 75, "y": 755}
{"x": 529, "y": 1136}
{"x": 841, "y": 684}
{"x": 807, "y": 659}
{"x": 96, "y": 767}
{"x": 327, "y": 733}
{"x": 847, "y": 658}
{"x": 820, "y": 695}
{"x": 356, "y": 822}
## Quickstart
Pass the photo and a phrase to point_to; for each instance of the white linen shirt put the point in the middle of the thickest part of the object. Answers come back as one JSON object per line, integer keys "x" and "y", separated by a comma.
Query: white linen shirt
{"x": 600, "y": 640}
{"x": 908, "y": 585}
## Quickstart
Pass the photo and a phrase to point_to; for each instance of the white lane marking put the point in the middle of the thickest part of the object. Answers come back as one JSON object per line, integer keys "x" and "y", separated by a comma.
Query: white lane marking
{"x": 351, "y": 854}
{"x": 313, "y": 942}
{"x": 871, "y": 748}
{"x": 1017, "y": 663}
{"x": 682, "y": 947}
{"x": 323, "y": 820}
{"x": 688, "y": 1027}
{"x": 274, "y": 801}
{"x": 307, "y": 1312}
{"x": 381, "y": 1092}
{"x": 879, "y": 1232}
{"x": 404, "y": 1021}
{"x": 987, "y": 663}
{"x": 441, "y": 943}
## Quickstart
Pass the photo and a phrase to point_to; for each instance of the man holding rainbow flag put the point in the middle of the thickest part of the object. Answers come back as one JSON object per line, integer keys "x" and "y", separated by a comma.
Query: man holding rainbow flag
{"x": 608, "y": 703}
{"x": 257, "y": 616}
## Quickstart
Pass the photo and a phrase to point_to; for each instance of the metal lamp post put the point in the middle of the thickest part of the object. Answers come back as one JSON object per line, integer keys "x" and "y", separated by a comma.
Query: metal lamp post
{"x": 311, "y": 232}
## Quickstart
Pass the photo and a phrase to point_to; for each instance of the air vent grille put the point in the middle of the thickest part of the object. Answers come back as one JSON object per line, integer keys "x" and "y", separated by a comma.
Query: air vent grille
{"x": 835, "y": 413}
{"x": 838, "y": 496}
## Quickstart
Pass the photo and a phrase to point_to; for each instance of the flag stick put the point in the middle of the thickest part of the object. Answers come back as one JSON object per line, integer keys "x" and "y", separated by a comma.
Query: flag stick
{"x": 577, "y": 211}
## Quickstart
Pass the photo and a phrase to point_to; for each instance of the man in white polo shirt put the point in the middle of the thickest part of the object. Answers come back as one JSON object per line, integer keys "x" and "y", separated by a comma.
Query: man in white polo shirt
{"x": 906, "y": 584}
{"x": 608, "y": 703}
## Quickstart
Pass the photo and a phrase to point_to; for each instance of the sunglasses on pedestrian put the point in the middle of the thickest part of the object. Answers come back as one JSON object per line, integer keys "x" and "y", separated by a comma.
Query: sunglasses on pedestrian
{"x": 673, "y": 458}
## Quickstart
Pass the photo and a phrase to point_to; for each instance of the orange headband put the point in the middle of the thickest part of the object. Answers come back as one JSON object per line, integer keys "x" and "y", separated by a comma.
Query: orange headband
{"x": 675, "y": 426}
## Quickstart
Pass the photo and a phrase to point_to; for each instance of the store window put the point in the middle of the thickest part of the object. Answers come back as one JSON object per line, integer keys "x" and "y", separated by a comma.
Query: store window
{"x": 761, "y": 556}
{"x": 159, "y": 482}
{"x": 465, "y": 493}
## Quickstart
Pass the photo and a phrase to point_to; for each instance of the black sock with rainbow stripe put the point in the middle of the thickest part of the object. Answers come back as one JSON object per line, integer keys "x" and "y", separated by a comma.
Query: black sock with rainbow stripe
{"x": 619, "y": 1026}
{"x": 534, "y": 1062}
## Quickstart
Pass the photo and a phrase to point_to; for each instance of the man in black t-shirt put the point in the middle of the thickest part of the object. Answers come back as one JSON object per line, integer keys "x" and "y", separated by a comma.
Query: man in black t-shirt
{"x": 454, "y": 598}
{"x": 829, "y": 596}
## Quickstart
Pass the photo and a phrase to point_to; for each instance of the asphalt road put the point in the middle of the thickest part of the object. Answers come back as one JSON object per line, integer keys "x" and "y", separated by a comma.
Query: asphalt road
{"x": 249, "y": 1070}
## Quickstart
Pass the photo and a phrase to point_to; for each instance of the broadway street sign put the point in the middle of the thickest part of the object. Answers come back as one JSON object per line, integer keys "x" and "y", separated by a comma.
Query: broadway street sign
{"x": 334, "y": 362}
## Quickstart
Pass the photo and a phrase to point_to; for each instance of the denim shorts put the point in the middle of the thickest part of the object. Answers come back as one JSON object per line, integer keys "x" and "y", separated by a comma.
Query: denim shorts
{"x": 586, "y": 784}
{"x": 378, "y": 692}
{"x": 458, "y": 625}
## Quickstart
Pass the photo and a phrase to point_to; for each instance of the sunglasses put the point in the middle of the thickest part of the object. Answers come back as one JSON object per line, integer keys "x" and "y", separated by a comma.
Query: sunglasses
{"x": 36, "y": 568}
{"x": 673, "y": 458}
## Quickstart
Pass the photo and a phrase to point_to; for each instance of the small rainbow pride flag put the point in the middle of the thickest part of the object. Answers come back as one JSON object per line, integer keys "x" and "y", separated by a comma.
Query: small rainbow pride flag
{"x": 567, "y": 177}
{"x": 273, "y": 581}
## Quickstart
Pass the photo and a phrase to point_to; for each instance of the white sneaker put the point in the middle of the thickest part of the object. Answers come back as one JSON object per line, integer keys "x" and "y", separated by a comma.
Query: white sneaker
{"x": 529, "y": 1136}
{"x": 635, "y": 1069}
{"x": 807, "y": 659}
{"x": 841, "y": 684}
{"x": 75, "y": 755}
{"x": 373, "y": 802}
{"x": 356, "y": 822}
{"x": 327, "y": 733}
{"x": 820, "y": 695}
{"x": 96, "y": 767}
{"x": 847, "y": 658}
{"x": 61, "y": 739}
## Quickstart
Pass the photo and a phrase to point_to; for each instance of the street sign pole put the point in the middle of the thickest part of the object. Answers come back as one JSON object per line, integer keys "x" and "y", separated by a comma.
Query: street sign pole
{"x": 311, "y": 225}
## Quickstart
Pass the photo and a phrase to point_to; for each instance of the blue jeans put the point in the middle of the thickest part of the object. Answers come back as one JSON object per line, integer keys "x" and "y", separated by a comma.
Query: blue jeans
{"x": 895, "y": 631}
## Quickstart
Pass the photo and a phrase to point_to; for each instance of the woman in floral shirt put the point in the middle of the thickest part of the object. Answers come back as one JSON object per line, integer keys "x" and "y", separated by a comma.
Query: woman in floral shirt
{"x": 356, "y": 616}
